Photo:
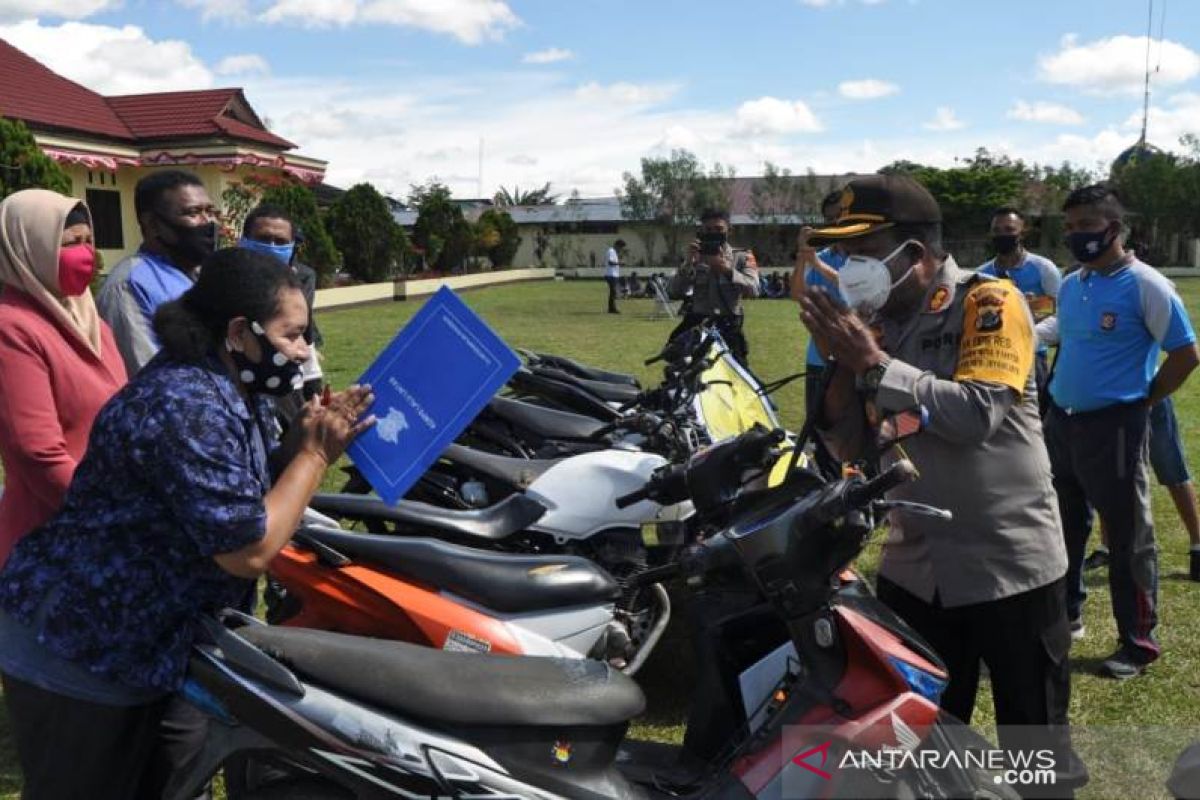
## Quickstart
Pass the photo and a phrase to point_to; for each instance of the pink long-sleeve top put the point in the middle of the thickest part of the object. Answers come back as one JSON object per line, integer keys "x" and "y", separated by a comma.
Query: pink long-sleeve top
{"x": 51, "y": 388}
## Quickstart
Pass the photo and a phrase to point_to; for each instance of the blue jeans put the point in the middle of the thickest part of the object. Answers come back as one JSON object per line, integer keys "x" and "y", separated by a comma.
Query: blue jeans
{"x": 1100, "y": 460}
{"x": 1166, "y": 447}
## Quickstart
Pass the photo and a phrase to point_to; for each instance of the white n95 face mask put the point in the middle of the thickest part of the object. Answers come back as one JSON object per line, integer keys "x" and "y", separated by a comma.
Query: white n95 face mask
{"x": 866, "y": 282}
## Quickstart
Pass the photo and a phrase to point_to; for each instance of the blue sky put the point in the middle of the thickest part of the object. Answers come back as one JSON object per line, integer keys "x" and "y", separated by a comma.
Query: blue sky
{"x": 577, "y": 91}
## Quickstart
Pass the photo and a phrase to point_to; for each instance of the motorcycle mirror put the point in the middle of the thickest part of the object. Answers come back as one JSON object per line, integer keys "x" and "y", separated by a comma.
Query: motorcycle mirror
{"x": 895, "y": 428}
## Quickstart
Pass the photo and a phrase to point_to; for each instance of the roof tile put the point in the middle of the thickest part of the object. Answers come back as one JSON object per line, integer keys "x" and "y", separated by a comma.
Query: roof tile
{"x": 32, "y": 92}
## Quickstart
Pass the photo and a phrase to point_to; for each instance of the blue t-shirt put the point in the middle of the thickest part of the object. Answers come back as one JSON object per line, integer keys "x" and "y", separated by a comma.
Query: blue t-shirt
{"x": 1035, "y": 277}
{"x": 1110, "y": 329}
{"x": 175, "y": 473}
{"x": 812, "y": 277}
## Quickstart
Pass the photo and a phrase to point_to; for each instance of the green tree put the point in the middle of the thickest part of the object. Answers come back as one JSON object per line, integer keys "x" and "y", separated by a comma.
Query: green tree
{"x": 968, "y": 194}
{"x": 778, "y": 201}
{"x": 23, "y": 165}
{"x": 371, "y": 241}
{"x": 318, "y": 250}
{"x": 441, "y": 231}
{"x": 497, "y": 237}
{"x": 672, "y": 192}
{"x": 534, "y": 197}
{"x": 1161, "y": 189}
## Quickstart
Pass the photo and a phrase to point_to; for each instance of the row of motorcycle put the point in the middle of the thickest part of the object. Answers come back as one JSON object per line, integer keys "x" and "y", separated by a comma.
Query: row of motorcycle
{"x": 478, "y": 639}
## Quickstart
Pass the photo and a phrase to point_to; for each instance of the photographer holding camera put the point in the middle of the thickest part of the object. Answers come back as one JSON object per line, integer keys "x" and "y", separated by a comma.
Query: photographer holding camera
{"x": 717, "y": 277}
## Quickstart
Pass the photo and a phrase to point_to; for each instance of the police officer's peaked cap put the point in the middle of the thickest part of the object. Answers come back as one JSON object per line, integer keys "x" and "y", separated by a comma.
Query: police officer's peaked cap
{"x": 875, "y": 202}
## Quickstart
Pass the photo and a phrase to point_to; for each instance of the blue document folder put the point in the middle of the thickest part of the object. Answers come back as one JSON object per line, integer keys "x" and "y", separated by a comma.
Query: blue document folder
{"x": 429, "y": 382}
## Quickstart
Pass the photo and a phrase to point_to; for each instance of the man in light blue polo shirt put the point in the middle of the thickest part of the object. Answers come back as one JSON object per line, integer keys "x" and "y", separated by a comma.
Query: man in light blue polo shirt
{"x": 1114, "y": 315}
{"x": 818, "y": 269}
{"x": 179, "y": 230}
{"x": 1035, "y": 276}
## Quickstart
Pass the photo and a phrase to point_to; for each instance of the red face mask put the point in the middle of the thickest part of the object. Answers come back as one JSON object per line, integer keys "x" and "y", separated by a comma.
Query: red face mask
{"x": 76, "y": 265}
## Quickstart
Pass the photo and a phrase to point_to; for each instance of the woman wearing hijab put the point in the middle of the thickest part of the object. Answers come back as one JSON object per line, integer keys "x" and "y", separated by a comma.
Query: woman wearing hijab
{"x": 58, "y": 361}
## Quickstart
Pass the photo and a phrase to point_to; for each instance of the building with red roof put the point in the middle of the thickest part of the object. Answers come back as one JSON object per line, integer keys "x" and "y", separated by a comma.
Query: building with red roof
{"x": 107, "y": 143}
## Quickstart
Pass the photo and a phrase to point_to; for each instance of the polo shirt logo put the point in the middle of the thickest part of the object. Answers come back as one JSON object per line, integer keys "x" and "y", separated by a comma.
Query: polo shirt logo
{"x": 1108, "y": 321}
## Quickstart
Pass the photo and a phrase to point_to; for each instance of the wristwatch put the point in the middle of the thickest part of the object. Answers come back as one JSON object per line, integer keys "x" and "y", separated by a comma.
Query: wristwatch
{"x": 871, "y": 378}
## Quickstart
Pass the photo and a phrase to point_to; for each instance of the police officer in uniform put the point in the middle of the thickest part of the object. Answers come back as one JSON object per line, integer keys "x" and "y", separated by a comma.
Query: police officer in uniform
{"x": 717, "y": 282}
{"x": 987, "y": 586}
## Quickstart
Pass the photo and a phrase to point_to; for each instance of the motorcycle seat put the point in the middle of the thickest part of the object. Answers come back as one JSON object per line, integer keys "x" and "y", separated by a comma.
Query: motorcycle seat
{"x": 567, "y": 394}
{"x": 549, "y": 423}
{"x": 516, "y": 472}
{"x": 455, "y": 688}
{"x": 583, "y": 371}
{"x": 504, "y": 582}
{"x": 609, "y": 392}
{"x": 493, "y": 523}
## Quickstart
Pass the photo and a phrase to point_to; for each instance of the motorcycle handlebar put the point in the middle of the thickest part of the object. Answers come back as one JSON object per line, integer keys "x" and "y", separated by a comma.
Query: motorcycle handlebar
{"x": 626, "y": 500}
{"x": 900, "y": 472}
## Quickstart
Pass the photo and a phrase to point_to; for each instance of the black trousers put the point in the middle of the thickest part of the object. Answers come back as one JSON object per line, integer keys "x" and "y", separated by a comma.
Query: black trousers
{"x": 1101, "y": 460}
{"x": 1024, "y": 641}
{"x": 612, "y": 293}
{"x": 75, "y": 750}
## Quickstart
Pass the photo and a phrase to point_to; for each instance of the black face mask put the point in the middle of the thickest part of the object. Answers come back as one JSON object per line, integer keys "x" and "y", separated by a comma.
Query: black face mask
{"x": 275, "y": 374}
{"x": 1006, "y": 244}
{"x": 193, "y": 243}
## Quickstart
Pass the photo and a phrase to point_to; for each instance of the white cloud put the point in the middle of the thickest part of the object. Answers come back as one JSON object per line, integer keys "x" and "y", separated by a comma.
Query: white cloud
{"x": 469, "y": 21}
{"x": 1117, "y": 64}
{"x": 243, "y": 64}
{"x": 866, "y": 89}
{"x": 1050, "y": 113}
{"x": 1180, "y": 115}
{"x": 313, "y": 13}
{"x": 548, "y": 56}
{"x": 945, "y": 120}
{"x": 13, "y": 10}
{"x": 626, "y": 94}
{"x": 770, "y": 115}
{"x": 228, "y": 10}
{"x": 111, "y": 60}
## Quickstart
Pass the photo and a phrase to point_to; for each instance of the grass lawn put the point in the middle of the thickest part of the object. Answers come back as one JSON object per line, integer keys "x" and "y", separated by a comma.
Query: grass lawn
{"x": 1158, "y": 712}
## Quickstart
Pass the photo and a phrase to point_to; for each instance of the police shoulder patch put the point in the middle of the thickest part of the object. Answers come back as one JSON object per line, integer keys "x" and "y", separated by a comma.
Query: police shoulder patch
{"x": 940, "y": 298}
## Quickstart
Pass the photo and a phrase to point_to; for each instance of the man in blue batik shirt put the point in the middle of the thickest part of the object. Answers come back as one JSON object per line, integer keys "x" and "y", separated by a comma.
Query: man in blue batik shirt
{"x": 1114, "y": 315}
{"x": 1037, "y": 278}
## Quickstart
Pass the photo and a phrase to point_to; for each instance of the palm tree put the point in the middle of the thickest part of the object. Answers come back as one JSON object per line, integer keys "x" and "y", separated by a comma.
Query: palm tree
{"x": 535, "y": 197}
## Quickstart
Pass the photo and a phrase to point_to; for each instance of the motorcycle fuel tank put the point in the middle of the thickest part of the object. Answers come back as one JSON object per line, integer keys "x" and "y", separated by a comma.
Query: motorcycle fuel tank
{"x": 580, "y": 493}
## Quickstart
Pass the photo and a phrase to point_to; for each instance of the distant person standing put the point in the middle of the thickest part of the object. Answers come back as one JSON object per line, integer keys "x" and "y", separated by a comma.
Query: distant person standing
{"x": 178, "y": 222}
{"x": 1037, "y": 278}
{"x": 612, "y": 272}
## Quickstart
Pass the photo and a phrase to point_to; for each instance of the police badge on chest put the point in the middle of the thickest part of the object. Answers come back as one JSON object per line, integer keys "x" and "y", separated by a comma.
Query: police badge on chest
{"x": 989, "y": 320}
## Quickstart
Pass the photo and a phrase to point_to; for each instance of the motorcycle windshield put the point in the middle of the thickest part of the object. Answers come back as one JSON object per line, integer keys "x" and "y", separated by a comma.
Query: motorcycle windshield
{"x": 731, "y": 402}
